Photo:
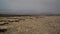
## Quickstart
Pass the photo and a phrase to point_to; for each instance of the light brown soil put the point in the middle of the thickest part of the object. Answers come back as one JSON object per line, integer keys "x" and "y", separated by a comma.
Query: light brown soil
{"x": 30, "y": 25}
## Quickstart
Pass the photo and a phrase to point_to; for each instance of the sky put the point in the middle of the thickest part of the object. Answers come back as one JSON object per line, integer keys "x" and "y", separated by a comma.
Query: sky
{"x": 29, "y": 6}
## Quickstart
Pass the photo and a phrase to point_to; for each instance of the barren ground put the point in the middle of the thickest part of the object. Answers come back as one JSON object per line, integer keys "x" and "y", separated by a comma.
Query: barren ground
{"x": 30, "y": 25}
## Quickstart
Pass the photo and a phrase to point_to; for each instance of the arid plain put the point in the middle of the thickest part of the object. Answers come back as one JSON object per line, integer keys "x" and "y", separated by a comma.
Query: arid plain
{"x": 30, "y": 25}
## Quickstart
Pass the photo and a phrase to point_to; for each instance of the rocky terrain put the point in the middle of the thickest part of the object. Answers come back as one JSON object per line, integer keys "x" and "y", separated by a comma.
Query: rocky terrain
{"x": 30, "y": 25}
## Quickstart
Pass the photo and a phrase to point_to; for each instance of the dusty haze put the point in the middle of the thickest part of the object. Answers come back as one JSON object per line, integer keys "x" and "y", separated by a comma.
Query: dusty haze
{"x": 29, "y": 7}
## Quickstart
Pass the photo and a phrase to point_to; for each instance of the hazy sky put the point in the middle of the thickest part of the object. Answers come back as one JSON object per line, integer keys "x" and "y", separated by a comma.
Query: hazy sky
{"x": 30, "y": 6}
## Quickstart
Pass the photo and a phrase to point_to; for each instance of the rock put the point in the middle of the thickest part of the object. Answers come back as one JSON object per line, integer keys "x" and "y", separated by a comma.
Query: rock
{"x": 12, "y": 20}
{"x": 3, "y": 23}
{"x": 3, "y": 27}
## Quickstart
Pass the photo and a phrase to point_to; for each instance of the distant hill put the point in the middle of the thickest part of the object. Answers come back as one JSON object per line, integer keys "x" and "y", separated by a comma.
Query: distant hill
{"x": 7, "y": 15}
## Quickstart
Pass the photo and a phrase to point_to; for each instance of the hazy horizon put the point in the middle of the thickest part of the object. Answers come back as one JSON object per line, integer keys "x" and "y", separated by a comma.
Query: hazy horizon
{"x": 29, "y": 6}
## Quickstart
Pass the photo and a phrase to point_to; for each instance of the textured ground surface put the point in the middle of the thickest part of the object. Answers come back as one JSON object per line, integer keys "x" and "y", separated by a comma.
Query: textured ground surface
{"x": 30, "y": 25}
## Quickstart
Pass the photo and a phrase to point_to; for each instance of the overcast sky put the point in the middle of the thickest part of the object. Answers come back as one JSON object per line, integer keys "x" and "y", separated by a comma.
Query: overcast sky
{"x": 30, "y": 6}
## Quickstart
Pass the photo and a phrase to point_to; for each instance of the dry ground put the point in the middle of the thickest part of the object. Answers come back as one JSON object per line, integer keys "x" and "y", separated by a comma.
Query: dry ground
{"x": 30, "y": 25}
